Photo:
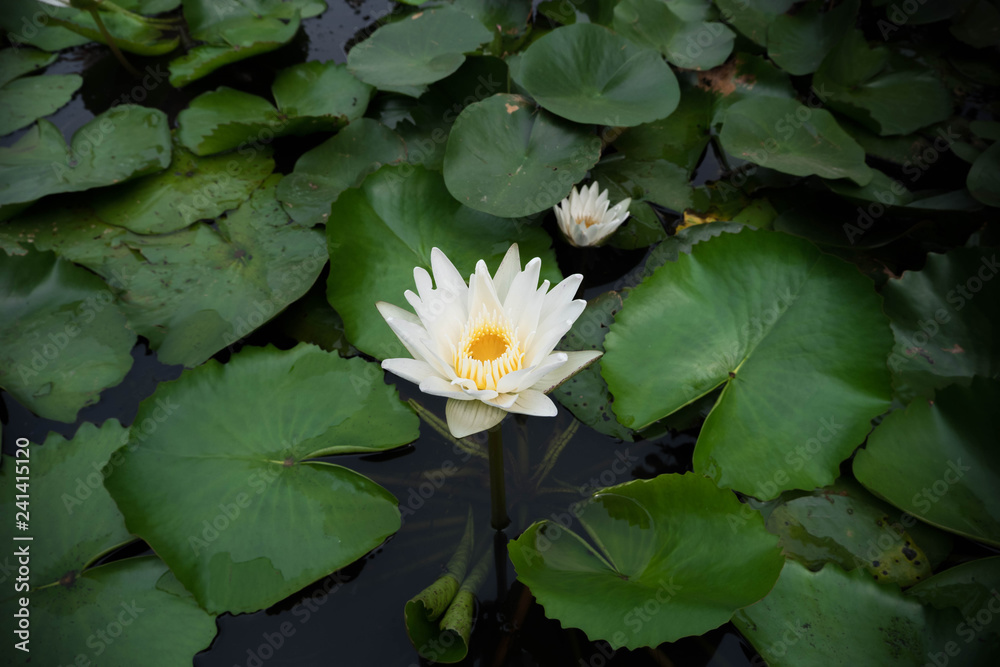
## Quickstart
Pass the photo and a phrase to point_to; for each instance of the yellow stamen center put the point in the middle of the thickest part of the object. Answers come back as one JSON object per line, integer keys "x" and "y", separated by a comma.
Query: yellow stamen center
{"x": 587, "y": 221}
{"x": 488, "y": 350}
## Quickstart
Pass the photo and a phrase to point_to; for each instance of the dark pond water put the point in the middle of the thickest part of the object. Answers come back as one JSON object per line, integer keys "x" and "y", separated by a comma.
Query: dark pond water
{"x": 355, "y": 616}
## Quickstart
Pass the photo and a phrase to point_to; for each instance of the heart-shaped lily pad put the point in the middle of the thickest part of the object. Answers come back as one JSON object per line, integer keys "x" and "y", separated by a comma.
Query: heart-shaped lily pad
{"x": 227, "y": 486}
{"x": 796, "y": 338}
{"x": 422, "y": 48}
{"x": 507, "y": 158}
{"x": 658, "y": 573}
{"x": 589, "y": 74}
{"x": 685, "y": 31}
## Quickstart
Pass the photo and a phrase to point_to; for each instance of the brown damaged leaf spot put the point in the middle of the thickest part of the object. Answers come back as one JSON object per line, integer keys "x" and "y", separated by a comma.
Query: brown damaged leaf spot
{"x": 511, "y": 108}
{"x": 956, "y": 349}
{"x": 723, "y": 79}
{"x": 416, "y": 16}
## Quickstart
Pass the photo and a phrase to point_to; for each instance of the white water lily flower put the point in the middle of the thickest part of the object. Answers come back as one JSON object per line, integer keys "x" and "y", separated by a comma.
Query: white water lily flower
{"x": 487, "y": 346}
{"x": 584, "y": 217}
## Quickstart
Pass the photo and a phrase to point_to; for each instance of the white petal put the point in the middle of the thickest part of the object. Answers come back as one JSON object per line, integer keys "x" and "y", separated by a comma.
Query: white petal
{"x": 468, "y": 417}
{"x": 446, "y": 276}
{"x": 413, "y": 370}
{"x": 576, "y": 362}
{"x": 531, "y": 402}
{"x": 509, "y": 268}
{"x": 481, "y": 292}
{"x": 503, "y": 401}
{"x": 526, "y": 377}
{"x": 437, "y": 386}
{"x": 388, "y": 310}
{"x": 549, "y": 336}
{"x": 560, "y": 295}
{"x": 523, "y": 303}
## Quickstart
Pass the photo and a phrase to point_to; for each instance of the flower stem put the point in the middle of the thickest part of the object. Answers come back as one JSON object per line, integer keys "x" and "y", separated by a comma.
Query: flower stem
{"x": 114, "y": 46}
{"x": 498, "y": 494}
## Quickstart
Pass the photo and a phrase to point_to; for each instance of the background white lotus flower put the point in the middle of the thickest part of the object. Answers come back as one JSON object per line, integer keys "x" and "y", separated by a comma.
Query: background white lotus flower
{"x": 584, "y": 217}
{"x": 487, "y": 346}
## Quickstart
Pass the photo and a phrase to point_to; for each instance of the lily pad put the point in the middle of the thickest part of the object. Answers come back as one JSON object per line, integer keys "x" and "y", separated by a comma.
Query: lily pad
{"x": 685, "y": 31}
{"x": 222, "y": 280}
{"x": 589, "y": 74}
{"x": 837, "y": 618}
{"x": 16, "y": 17}
{"x": 586, "y": 394}
{"x": 191, "y": 189}
{"x": 787, "y": 136}
{"x": 742, "y": 77}
{"x": 234, "y": 31}
{"x": 381, "y": 231}
{"x": 341, "y": 162}
{"x": 71, "y": 513}
{"x": 942, "y": 318}
{"x": 508, "y": 159}
{"x": 124, "y": 142}
{"x": 63, "y": 339}
{"x": 228, "y": 489}
{"x": 845, "y": 524}
{"x": 657, "y": 573}
{"x": 422, "y": 48}
{"x": 937, "y": 460}
{"x": 117, "y": 612}
{"x": 311, "y": 97}
{"x": 24, "y": 100}
{"x": 754, "y": 19}
{"x": 799, "y": 42}
{"x": 796, "y": 339}
{"x": 878, "y": 90}
{"x": 969, "y": 587}
{"x": 983, "y": 180}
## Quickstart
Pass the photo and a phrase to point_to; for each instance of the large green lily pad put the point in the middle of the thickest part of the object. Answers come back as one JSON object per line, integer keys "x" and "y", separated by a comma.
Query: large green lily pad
{"x": 753, "y": 19}
{"x": 787, "y": 136}
{"x": 836, "y": 618}
{"x": 658, "y": 573}
{"x": 381, "y": 231}
{"x": 589, "y": 74}
{"x": 938, "y": 461}
{"x": 310, "y": 97}
{"x": 796, "y": 339}
{"x": 422, "y": 48}
{"x": 338, "y": 163}
{"x": 16, "y": 18}
{"x": 983, "y": 181}
{"x": 63, "y": 340}
{"x": 228, "y": 490}
{"x": 685, "y": 31}
{"x": 121, "y": 143}
{"x": 506, "y": 158}
{"x": 943, "y": 318}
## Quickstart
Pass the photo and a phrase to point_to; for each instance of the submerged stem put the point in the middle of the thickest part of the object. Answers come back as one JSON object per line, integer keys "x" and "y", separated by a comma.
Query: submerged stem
{"x": 111, "y": 43}
{"x": 498, "y": 494}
